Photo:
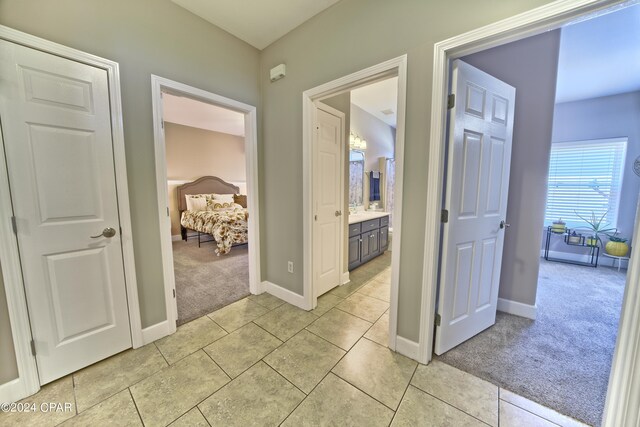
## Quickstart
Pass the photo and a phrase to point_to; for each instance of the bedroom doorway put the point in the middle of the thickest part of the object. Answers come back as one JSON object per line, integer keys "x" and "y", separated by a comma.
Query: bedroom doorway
{"x": 206, "y": 157}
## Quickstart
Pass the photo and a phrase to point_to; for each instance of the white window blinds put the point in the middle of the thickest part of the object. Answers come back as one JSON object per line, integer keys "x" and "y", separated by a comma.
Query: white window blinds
{"x": 585, "y": 177}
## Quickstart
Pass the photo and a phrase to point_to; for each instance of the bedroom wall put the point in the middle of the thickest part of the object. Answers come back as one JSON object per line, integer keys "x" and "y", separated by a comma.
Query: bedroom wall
{"x": 145, "y": 37}
{"x": 600, "y": 118}
{"x": 529, "y": 65}
{"x": 193, "y": 153}
{"x": 8, "y": 366}
{"x": 347, "y": 37}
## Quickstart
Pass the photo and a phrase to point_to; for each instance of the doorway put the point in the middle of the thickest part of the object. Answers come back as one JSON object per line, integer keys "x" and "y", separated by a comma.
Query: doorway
{"x": 205, "y": 152}
{"x": 532, "y": 308}
{"x": 214, "y": 191}
{"x": 381, "y": 72}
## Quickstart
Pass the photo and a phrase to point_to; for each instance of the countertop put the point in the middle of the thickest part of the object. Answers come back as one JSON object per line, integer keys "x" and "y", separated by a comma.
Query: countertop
{"x": 365, "y": 216}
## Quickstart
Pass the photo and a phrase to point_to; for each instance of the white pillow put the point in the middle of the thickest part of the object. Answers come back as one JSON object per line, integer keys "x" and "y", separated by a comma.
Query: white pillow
{"x": 223, "y": 197}
{"x": 196, "y": 202}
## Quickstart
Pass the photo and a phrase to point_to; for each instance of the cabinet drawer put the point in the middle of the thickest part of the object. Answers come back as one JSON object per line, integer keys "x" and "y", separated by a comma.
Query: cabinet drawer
{"x": 384, "y": 221}
{"x": 372, "y": 224}
{"x": 354, "y": 229}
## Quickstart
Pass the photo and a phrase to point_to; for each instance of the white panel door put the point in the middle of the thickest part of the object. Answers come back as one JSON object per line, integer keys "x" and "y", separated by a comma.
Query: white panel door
{"x": 57, "y": 133}
{"x": 480, "y": 135}
{"x": 327, "y": 242}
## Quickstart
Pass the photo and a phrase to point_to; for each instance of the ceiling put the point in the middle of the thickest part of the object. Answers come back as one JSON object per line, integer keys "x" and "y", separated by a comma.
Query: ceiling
{"x": 600, "y": 57}
{"x": 257, "y": 22}
{"x": 378, "y": 97}
{"x": 197, "y": 114}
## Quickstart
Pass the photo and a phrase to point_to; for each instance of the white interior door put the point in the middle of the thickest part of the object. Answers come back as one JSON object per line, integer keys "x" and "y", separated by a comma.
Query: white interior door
{"x": 480, "y": 136}
{"x": 327, "y": 237}
{"x": 57, "y": 133}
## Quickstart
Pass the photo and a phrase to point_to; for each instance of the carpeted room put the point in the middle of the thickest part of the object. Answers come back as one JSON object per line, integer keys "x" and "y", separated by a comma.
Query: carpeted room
{"x": 563, "y": 358}
{"x": 207, "y": 186}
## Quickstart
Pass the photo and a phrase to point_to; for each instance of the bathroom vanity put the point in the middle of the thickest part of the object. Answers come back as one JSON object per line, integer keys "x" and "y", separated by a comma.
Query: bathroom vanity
{"x": 368, "y": 236}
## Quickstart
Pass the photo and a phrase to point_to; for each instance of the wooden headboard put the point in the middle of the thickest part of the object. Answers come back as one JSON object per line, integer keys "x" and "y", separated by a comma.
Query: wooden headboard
{"x": 204, "y": 185}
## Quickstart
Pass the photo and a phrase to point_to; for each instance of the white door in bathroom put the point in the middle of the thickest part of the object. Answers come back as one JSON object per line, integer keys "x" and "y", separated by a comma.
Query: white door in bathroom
{"x": 480, "y": 129}
{"x": 328, "y": 193}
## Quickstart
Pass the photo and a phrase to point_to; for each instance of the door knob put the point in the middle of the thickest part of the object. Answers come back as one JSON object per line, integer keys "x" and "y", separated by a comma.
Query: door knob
{"x": 107, "y": 232}
{"x": 338, "y": 213}
{"x": 504, "y": 225}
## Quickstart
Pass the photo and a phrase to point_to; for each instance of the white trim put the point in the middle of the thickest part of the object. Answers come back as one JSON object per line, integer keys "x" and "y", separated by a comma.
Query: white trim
{"x": 157, "y": 331}
{"x": 9, "y": 252}
{"x": 517, "y": 308}
{"x": 284, "y": 294}
{"x": 158, "y": 85}
{"x": 407, "y": 347}
{"x": 345, "y": 278}
{"x": 624, "y": 388}
{"x": 12, "y": 391}
{"x": 396, "y": 66}
{"x": 176, "y": 238}
{"x": 341, "y": 238}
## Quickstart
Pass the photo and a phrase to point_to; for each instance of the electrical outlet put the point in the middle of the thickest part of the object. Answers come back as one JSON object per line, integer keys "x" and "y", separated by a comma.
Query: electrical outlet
{"x": 290, "y": 266}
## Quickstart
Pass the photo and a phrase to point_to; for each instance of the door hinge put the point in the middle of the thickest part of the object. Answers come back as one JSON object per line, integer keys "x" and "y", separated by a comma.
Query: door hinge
{"x": 451, "y": 101}
{"x": 438, "y": 320}
{"x": 33, "y": 347}
{"x": 444, "y": 216}
{"x": 162, "y": 124}
{"x": 174, "y": 293}
{"x": 168, "y": 211}
{"x": 120, "y": 230}
{"x": 14, "y": 225}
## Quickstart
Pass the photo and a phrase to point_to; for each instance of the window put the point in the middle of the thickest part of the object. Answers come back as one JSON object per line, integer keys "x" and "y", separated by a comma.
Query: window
{"x": 585, "y": 177}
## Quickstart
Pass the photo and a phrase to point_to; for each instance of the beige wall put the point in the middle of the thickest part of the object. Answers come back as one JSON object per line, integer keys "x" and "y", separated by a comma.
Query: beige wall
{"x": 8, "y": 367}
{"x": 349, "y": 36}
{"x": 145, "y": 37}
{"x": 193, "y": 153}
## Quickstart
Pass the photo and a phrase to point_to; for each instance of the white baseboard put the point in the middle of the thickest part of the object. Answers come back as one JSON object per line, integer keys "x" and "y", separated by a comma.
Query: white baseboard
{"x": 155, "y": 332}
{"x": 284, "y": 294}
{"x": 12, "y": 391}
{"x": 517, "y": 308}
{"x": 345, "y": 278}
{"x": 176, "y": 237}
{"x": 602, "y": 260}
{"x": 407, "y": 347}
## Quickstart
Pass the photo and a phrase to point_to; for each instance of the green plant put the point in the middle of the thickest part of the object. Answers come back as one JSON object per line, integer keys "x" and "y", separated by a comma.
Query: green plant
{"x": 615, "y": 237}
{"x": 596, "y": 225}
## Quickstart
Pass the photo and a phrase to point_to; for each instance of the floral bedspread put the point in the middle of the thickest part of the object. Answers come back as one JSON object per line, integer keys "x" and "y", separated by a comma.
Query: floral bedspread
{"x": 227, "y": 226}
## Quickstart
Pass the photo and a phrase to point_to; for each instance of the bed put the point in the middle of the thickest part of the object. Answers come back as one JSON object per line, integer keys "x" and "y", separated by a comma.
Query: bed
{"x": 228, "y": 227}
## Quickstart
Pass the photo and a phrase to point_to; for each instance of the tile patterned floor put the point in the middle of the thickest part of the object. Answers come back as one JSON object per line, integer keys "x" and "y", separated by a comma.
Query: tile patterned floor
{"x": 263, "y": 362}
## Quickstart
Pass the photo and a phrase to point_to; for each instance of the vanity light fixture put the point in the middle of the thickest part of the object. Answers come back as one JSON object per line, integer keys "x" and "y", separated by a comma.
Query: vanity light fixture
{"x": 357, "y": 143}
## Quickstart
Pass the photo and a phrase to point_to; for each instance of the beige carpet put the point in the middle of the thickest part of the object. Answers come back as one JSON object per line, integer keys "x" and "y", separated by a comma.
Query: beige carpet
{"x": 206, "y": 282}
{"x": 563, "y": 358}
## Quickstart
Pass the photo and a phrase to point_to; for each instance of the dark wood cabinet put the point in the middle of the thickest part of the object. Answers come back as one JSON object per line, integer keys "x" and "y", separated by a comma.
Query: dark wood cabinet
{"x": 367, "y": 240}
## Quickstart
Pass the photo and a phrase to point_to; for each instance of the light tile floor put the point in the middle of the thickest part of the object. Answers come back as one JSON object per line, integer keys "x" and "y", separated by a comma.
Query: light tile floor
{"x": 261, "y": 361}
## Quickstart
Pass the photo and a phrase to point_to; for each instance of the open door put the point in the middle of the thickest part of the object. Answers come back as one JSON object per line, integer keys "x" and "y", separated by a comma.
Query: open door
{"x": 480, "y": 136}
{"x": 327, "y": 199}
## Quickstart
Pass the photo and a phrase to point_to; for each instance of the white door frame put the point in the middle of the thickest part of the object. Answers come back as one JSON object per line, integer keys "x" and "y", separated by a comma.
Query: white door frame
{"x": 158, "y": 85}
{"x": 28, "y": 383}
{"x": 328, "y": 109}
{"x": 396, "y": 66}
{"x": 623, "y": 397}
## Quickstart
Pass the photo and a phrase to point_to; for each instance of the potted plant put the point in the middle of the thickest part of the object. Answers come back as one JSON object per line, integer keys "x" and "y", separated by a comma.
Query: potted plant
{"x": 617, "y": 245}
{"x": 597, "y": 227}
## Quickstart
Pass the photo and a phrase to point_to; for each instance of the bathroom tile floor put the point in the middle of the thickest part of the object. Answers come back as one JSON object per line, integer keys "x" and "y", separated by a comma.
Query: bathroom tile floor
{"x": 261, "y": 361}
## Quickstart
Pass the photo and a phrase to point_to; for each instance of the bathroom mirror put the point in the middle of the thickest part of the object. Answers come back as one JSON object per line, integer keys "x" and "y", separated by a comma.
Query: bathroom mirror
{"x": 356, "y": 178}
